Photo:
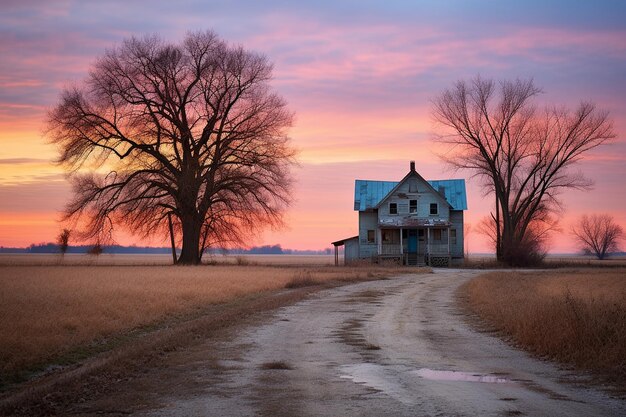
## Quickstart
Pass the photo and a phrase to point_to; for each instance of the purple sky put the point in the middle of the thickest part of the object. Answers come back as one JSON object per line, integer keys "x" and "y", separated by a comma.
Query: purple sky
{"x": 358, "y": 74}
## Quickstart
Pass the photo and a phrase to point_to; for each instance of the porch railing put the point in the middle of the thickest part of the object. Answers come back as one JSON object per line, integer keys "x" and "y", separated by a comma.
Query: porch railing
{"x": 438, "y": 249}
{"x": 433, "y": 249}
{"x": 390, "y": 249}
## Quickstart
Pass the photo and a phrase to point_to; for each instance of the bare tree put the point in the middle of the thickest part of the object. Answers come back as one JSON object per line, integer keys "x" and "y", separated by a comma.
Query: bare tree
{"x": 63, "y": 240}
{"x": 599, "y": 234}
{"x": 523, "y": 155}
{"x": 95, "y": 250}
{"x": 190, "y": 130}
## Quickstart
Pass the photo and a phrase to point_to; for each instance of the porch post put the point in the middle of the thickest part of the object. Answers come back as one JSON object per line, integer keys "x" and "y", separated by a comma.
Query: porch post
{"x": 336, "y": 255}
{"x": 401, "y": 249}
{"x": 379, "y": 240}
{"x": 449, "y": 256}
{"x": 428, "y": 244}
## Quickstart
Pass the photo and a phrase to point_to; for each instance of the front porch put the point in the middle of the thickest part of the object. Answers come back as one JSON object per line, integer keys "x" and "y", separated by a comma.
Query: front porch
{"x": 415, "y": 246}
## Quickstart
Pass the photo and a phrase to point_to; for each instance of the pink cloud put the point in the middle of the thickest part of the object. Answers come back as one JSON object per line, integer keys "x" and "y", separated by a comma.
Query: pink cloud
{"x": 533, "y": 42}
{"x": 360, "y": 88}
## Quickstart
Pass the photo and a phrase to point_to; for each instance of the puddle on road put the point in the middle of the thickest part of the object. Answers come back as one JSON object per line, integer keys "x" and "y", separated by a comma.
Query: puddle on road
{"x": 436, "y": 375}
{"x": 379, "y": 378}
{"x": 396, "y": 381}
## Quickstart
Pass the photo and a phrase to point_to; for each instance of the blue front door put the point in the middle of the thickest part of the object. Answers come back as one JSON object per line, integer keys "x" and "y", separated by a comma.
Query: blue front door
{"x": 412, "y": 241}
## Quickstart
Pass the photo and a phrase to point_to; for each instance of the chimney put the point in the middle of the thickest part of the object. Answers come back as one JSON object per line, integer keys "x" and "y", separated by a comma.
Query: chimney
{"x": 412, "y": 166}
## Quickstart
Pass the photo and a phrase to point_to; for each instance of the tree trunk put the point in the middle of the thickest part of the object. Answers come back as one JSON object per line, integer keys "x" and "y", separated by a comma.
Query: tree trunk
{"x": 509, "y": 244}
{"x": 498, "y": 233}
{"x": 190, "y": 253}
{"x": 172, "y": 241}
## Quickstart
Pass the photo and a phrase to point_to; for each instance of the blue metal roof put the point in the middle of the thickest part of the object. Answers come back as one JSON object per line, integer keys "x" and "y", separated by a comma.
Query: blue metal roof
{"x": 453, "y": 190}
{"x": 367, "y": 194}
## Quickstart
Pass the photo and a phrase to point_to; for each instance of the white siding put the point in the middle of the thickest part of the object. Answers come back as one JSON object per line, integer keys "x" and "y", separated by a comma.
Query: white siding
{"x": 456, "y": 218}
{"x": 351, "y": 250}
{"x": 367, "y": 221}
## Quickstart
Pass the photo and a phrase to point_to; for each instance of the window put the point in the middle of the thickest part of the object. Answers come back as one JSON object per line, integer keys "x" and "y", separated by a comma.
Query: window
{"x": 393, "y": 208}
{"x": 387, "y": 236}
{"x": 453, "y": 236}
{"x": 412, "y": 206}
{"x": 371, "y": 236}
{"x": 434, "y": 209}
{"x": 413, "y": 186}
{"x": 436, "y": 234}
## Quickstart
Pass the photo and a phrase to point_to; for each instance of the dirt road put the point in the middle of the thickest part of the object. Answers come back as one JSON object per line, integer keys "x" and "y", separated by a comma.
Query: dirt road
{"x": 397, "y": 347}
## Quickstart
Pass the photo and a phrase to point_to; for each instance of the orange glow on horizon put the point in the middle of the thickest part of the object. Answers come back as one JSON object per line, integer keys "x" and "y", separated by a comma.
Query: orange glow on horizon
{"x": 359, "y": 80}
{"x": 23, "y": 229}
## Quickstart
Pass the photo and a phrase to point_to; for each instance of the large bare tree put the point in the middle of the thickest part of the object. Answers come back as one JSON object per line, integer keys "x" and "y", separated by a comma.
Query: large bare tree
{"x": 598, "y": 234}
{"x": 524, "y": 155}
{"x": 189, "y": 131}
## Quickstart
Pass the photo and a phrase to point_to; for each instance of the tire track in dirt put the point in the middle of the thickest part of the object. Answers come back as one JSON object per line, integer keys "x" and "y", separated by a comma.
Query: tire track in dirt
{"x": 399, "y": 347}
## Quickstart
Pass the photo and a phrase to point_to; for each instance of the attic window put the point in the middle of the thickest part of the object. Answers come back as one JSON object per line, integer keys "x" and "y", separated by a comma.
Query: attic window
{"x": 393, "y": 208}
{"x": 412, "y": 206}
{"x": 412, "y": 186}
{"x": 434, "y": 209}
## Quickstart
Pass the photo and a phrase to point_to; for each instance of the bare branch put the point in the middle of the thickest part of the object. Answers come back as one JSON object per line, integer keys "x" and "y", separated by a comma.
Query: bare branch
{"x": 523, "y": 156}
{"x": 598, "y": 234}
{"x": 190, "y": 129}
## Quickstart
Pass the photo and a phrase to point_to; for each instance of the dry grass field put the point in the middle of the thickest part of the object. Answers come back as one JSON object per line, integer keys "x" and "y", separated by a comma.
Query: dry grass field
{"x": 154, "y": 260}
{"x": 479, "y": 261}
{"x": 574, "y": 316}
{"x": 48, "y": 311}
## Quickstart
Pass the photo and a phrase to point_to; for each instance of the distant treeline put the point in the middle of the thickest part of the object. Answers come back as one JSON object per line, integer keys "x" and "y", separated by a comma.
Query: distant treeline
{"x": 54, "y": 248}
{"x": 269, "y": 250}
{"x": 255, "y": 250}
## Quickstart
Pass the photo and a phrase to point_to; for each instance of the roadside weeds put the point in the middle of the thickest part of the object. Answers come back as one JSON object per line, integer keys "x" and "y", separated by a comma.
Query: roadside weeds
{"x": 577, "y": 318}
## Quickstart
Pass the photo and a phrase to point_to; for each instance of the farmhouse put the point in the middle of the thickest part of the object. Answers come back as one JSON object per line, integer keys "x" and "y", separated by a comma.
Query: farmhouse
{"x": 413, "y": 222}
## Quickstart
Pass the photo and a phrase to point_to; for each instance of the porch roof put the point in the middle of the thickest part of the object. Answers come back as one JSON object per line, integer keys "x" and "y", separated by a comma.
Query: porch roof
{"x": 368, "y": 194}
{"x": 343, "y": 241}
{"x": 409, "y": 222}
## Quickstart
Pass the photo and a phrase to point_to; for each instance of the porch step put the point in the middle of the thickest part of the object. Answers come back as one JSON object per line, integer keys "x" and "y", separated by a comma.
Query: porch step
{"x": 413, "y": 259}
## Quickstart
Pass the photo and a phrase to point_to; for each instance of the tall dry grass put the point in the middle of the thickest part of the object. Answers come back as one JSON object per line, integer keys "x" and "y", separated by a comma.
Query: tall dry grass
{"x": 577, "y": 316}
{"x": 47, "y": 311}
{"x": 108, "y": 259}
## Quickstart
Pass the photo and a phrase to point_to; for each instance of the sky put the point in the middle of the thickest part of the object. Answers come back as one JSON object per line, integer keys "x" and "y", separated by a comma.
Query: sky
{"x": 359, "y": 75}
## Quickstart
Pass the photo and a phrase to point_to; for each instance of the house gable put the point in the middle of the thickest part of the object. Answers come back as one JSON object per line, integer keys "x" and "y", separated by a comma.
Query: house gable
{"x": 413, "y": 202}
{"x": 413, "y": 184}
